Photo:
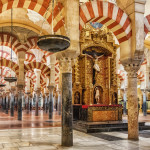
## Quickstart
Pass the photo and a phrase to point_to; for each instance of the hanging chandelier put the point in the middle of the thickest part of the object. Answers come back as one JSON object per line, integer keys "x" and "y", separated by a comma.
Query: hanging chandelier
{"x": 11, "y": 79}
{"x": 53, "y": 43}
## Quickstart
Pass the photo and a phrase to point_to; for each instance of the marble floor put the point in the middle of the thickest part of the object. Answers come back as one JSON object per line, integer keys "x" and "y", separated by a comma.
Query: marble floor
{"x": 50, "y": 139}
{"x": 28, "y": 120}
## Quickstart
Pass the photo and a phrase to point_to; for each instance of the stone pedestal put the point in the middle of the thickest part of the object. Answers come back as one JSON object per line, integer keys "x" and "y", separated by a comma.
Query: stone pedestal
{"x": 51, "y": 101}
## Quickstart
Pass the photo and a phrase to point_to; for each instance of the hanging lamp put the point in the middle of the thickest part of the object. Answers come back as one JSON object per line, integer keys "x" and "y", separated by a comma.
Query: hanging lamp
{"x": 53, "y": 43}
{"x": 11, "y": 79}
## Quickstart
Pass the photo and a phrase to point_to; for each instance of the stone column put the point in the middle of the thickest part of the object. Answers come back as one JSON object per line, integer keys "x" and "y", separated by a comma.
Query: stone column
{"x": 144, "y": 108}
{"x": 133, "y": 127}
{"x": 7, "y": 100}
{"x": 20, "y": 94}
{"x": 4, "y": 102}
{"x": 28, "y": 102}
{"x": 124, "y": 103}
{"x": 21, "y": 79}
{"x": 12, "y": 102}
{"x": 51, "y": 85}
{"x": 37, "y": 89}
{"x": 67, "y": 112}
{"x": 27, "y": 89}
{"x": 59, "y": 102}
{"x": 46, "y": 102}
{"x": 51, "y": 88}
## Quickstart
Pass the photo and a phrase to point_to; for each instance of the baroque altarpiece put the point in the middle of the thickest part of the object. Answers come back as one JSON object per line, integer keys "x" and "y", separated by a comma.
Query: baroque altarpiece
{"x": 94, "y": 74}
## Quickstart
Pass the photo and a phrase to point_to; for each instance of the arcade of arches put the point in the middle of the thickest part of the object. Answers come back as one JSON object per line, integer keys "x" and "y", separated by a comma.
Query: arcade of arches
{"x": 100, "y": 83}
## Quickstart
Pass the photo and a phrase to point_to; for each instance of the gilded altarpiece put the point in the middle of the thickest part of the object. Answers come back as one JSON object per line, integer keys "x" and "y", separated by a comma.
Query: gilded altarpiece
{"x": 95, "y": 68}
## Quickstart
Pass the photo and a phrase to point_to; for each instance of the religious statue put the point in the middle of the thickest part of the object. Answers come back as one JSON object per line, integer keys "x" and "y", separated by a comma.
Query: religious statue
{"x": 97, "y": 94}
{"x": 77, "y": 98}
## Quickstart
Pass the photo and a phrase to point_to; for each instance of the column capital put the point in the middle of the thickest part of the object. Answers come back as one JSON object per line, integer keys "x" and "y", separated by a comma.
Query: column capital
{"x": 66, "y": 64}
{"x": 50, "y": 88}
{"x": 20, "y": 87}
{"x": 38, "y": 90}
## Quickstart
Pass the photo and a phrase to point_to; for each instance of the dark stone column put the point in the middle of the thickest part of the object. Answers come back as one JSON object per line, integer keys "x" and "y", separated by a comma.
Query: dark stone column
{"x": 28, "y": 103}
{"x": 20, "y": 94}
{"x": 67, "y": 133}
{"x": 46, "y": 103}
{"x": 12, "y": 105}
{"x": 50, "y": 101}
{"x": 7, "y": 99}
{"x": 124, "y": 103}
{"x": 59, "y": 102}
{"x": 144, "y": 108}
{"x": 37, "y": 101}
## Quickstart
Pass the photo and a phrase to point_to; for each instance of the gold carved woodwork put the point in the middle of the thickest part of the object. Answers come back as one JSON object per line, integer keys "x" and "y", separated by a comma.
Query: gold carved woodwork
{"x": 85, "y": 79}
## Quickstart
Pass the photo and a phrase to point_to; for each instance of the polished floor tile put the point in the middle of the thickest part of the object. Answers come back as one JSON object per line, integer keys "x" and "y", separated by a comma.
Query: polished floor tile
{"x": 50, "y": 139}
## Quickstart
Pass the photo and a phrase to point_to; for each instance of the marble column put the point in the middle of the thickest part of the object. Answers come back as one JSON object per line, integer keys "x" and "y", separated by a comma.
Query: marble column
{"x": 28, "y": 103}
{"x": 12, "y": 98}
{"x": 46, "y": 102}
{"x": 20, "y": 94}
{"x": 7, "y": 100}
{"x": 133, "y": 126}
{"x": 37, "y": 102}
{"x": 59, "y": 102}
{"x": 67, "y": 111}
{"x": 51, "y": 102}
{"x": 144, "y": 108}
{"x": 37, "y": 89}
{"x": 124, "y": 103}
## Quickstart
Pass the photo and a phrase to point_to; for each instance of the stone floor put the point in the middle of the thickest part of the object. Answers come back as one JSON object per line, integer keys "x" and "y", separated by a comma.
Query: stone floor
{"x": 50, "y": 139}
{"x": 28, "y": 120}
{"x": 33, "y": 133}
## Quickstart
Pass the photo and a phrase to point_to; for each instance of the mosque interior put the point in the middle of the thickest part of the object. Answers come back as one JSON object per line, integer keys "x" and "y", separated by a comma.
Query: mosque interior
{"x": 74, "y": 74}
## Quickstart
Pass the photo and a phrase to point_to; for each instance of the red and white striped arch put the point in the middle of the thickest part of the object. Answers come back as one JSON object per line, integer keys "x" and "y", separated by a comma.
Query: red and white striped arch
{"x": 140, "y": 76}
{"x": 147, "y": 24}
{"x": 44, "y": 69}
{"x": 4, "y": 54}
{"x": 39, "y": 6}
{"x": 5, "y": 40}
{"x": 31, "y": 75}
{"x": 57, "y": 72}
{"x": 10, "y": 64}
{"x": 30, "y": 57}
{"x": 109, "y": 15}
{"x": 121, "y": 75}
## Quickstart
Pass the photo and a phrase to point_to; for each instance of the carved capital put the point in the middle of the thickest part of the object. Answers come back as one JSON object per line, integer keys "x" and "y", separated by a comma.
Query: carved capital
{"x": 20, "y": 87}
{"x": 132, "y": 70}
{"x": 50, "y": 88}
{"x": 66, "y": 64}
{"x": 38, "y": 90}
